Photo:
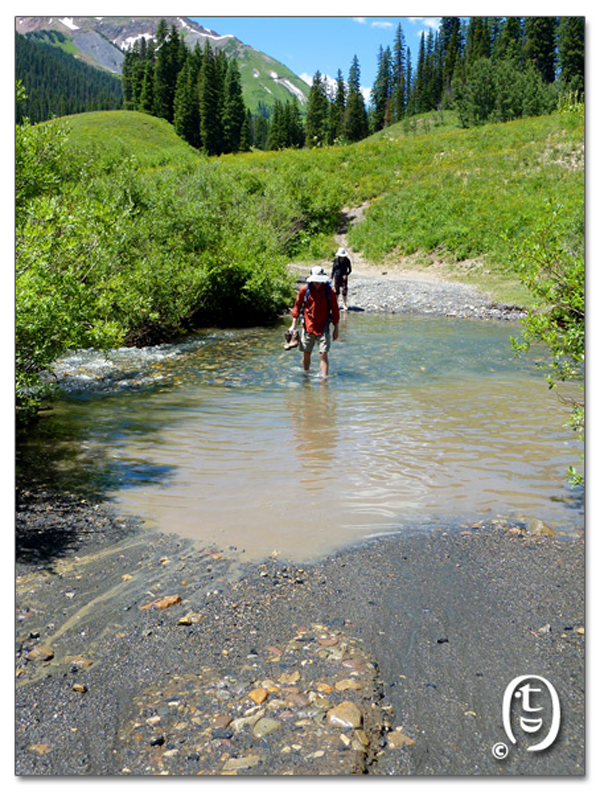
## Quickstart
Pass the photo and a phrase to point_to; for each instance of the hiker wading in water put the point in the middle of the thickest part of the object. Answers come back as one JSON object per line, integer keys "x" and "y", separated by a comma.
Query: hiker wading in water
{"x": 317, "y": 306}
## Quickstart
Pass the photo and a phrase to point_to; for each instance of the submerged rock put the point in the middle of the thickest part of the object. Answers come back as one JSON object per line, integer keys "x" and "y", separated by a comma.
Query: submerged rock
{"x": 536, "y": 527}
{"x": 345, "y": 716}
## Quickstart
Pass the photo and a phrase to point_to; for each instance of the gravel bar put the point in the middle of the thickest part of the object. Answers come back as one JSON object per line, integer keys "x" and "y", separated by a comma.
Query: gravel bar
{"x": 140, "y": 654}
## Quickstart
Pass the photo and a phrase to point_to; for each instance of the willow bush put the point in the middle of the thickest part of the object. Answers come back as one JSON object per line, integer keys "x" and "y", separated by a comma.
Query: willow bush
{"x": 111, "y": 254}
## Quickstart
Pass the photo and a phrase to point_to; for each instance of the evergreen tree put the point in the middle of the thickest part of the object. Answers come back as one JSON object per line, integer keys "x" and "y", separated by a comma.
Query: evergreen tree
{"x": 357, "y": 122}
{"x": 381, "y": 96}
{"x": 169, "y": 60}
{"x": 410, "y": 88}
{"x": 571, "y": 43}
{"x": 195, "y": 60}
{"x": 276, "y": 139}
{"x": 293, "y": 124}
{"x": 186, "y": 115}
{"x": 451, "y": 53}
{"x": 478, "y": 40}
{"x": 261, "y": 132}
{"x": 247, "y": 131}
{"x": 540, "y": 45}
{"x": 234, "y": 110}
{"x": 130, "y": 64}
{"x": 211, "y": 128}
{"x": 337, "y": 110}
{"x": 508, "y": 83}
{"x": 399, "y": 66}
{"x": 509, "y": 42}
{"x": 317, "y": 113}
{"x": 146, "y": 103}
{"x": 419, "y": 86}
{"x": 433, "y": 72}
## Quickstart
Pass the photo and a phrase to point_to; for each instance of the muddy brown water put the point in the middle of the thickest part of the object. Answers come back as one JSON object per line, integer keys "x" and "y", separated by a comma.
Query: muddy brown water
{"x": 423, "y": 422}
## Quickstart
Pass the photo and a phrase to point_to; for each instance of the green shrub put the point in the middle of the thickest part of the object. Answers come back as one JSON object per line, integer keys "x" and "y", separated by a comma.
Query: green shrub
{"x": 550, "y": 261}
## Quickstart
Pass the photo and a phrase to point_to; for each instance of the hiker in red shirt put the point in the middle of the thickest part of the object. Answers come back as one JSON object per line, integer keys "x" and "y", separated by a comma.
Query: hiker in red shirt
{"x": 317, "y": 306}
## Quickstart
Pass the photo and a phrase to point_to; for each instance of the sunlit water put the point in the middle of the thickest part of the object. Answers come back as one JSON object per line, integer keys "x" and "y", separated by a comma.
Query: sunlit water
{"x": 422, "y": 423}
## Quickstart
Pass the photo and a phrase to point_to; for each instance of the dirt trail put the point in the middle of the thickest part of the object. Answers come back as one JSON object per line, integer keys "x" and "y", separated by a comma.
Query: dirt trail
{"x": 402, "y": 269}
{"x": 403, "y": 284}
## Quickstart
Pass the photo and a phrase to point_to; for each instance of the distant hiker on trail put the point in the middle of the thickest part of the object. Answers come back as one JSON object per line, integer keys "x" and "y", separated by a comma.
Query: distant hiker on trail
{"x": 342, "y": 267}
{"x": 317, "y": 307}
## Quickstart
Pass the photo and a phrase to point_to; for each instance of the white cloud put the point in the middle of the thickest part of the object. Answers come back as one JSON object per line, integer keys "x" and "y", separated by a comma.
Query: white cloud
{"x": 427, "y": 22}
{"x": 382, "y": 24}
{"x": 360, "y": 20}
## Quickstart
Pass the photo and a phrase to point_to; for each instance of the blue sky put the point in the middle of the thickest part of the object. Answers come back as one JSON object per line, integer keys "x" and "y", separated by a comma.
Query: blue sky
{"x": 310, "y": 43}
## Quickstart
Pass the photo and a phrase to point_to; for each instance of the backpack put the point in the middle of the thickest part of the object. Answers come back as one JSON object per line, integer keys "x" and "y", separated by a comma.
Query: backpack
{"x": 327, "y": 297}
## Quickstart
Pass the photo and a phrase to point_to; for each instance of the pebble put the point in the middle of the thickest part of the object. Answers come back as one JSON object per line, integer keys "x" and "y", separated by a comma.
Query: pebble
{"x": 259, "y": 695}
{"x": 163, "y": 602}
{"x": 397, "y": 739}
{"x": 303, "y": 718}
{"x": 241, "y": 763}
{"x": 536, "y": 527}
{"x": 265, "y": 726}
{"x": 221, "y": 721}
{"x": 348, "y": 684}
{"x": 345, "y": 716}
{"x": 41, "y": 652}
{"x": 238, "y": 723}
{"x": 79, "y": 662}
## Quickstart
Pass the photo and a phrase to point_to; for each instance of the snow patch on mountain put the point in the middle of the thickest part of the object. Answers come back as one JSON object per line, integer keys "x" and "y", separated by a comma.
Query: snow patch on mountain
{"x": 131, "y": 40}
{"x": 292, "y": 89}
{"x": 68, "y": 22}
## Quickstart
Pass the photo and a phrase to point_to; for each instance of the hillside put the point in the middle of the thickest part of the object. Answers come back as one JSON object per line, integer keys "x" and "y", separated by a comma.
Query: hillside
{"x": 58, "y": 84}
{"x": 440, "y": 198}
{"x": 106, "y": 138}
{"x": 101, "y": 41}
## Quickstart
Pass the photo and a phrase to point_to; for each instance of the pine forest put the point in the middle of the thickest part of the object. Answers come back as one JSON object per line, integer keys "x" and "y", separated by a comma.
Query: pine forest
{"x": 485, "y": 68}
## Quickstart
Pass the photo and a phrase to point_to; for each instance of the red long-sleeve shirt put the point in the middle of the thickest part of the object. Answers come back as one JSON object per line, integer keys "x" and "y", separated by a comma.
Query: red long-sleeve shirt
{"x": 316, "y": 310}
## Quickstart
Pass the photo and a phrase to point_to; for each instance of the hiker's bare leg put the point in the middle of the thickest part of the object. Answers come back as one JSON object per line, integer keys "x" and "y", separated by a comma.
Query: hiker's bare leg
{"x": 324, "y": 364}
{"x": 306, "y": 361}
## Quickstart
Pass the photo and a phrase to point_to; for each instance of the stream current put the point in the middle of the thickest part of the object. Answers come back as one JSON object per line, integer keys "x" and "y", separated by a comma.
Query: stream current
{"x": 423, "y": 423}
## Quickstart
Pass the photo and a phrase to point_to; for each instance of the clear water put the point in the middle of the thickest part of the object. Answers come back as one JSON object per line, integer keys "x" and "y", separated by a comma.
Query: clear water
{"x": 423, "y": 422}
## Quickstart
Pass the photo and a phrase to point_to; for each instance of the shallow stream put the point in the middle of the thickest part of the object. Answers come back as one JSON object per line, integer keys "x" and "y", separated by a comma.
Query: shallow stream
{"x": 423, "y": 423}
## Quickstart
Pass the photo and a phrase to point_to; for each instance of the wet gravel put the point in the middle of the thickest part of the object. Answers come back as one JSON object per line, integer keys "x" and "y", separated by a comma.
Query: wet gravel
{"x": 425, "y": 297}
{"x": 141, "y": 654}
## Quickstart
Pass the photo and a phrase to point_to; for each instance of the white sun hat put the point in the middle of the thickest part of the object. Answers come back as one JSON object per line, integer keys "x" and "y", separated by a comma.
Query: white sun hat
{"x": 317, "y": 275}
{"x": 341, "y": 253}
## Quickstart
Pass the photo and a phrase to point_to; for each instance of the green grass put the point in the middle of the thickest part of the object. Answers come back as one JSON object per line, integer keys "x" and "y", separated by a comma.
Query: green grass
{"x": 462, "y": 198}
{"x": 113, "y": 135}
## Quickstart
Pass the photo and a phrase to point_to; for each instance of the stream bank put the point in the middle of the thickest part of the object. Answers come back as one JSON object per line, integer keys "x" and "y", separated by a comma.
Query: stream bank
{"x": 141, "y": 654}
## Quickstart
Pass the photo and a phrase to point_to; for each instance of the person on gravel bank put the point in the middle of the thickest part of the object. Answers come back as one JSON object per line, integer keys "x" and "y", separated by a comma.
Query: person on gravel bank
{"x": 317, "y": 307}
{"x": 342, "y": 267}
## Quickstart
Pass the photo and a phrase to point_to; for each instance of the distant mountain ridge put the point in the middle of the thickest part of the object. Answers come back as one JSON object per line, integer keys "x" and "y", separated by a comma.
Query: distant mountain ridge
{"x": 102, "y": 41}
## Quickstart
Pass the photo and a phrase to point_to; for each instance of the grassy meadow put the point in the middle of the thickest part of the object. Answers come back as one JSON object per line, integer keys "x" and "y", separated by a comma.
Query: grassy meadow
{"x": 463, "y": 199}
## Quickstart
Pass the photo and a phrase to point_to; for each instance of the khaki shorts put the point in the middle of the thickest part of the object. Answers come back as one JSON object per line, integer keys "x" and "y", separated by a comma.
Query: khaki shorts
{"x": 307, "y": 341}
